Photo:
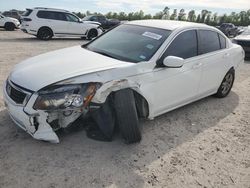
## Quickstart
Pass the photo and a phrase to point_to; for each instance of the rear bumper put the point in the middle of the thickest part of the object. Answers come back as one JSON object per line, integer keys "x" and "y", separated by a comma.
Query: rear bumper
{"x": 26, "y": 29}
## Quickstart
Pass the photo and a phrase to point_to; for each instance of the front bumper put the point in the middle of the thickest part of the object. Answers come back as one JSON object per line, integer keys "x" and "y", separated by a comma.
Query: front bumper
{"x": 18, "y": 25}
{"x": 26, "y": 117}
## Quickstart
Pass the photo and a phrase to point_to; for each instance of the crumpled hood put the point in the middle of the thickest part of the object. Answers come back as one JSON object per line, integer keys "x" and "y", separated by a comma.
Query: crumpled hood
{"x": 40, "y": 71}
{"x": 91, "y": 22}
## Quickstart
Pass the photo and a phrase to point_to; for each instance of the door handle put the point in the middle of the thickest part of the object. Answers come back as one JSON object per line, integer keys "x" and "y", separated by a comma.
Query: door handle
{"x": 197, "y": 65}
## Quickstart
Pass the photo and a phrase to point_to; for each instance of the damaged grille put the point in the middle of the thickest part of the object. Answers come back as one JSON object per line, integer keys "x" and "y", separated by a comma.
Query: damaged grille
{"x": 16, "y": 93}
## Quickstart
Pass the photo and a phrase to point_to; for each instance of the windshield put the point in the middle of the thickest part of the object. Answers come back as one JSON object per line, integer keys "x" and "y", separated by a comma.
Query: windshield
{"x": 130, "y": 42}
{"x": 86, "y": 18}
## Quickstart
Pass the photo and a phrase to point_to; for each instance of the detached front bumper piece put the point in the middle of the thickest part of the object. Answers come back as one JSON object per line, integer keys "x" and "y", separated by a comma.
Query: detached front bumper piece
{"x": 19, "y": 103}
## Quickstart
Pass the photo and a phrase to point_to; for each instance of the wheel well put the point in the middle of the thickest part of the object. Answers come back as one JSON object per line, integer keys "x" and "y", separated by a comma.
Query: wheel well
{"x": 8, "y": 23}
{"x": 45, "y": 27}
{"x": 141, "y": 103}
{"x": 92, "y": 29}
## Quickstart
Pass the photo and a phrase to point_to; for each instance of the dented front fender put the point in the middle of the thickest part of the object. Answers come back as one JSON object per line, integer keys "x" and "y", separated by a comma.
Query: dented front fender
{"x": 111, "y": 86}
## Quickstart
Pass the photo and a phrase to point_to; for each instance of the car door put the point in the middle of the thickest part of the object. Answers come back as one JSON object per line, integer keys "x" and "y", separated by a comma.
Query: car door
{"x": 215, "y": 60}
{"x": 75, "y": 26}
{"x": 174, "y": 87}
{"x": 54, "y": 20}
{"x": 60, "y": 23}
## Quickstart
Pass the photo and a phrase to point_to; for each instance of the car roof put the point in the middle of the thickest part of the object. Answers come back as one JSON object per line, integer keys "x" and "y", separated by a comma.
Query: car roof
{"x": 167, "y": 24}
{"x": 50, "y": 9}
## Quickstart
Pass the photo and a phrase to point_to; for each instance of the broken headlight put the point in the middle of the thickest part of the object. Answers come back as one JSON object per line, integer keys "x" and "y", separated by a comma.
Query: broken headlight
{"x": 66, "y": 97}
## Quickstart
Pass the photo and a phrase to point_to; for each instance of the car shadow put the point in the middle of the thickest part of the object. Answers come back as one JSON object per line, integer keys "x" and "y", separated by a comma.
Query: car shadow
{"x": 247, "y": 60}
{"x": 78, "y": 160}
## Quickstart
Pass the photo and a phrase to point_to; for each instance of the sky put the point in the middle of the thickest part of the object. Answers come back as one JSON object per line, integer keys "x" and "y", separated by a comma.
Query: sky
{"x": 148, "y": 6}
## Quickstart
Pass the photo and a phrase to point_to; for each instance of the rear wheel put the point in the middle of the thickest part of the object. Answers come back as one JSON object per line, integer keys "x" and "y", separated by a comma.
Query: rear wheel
{"x": 226, "y": 84}
{"x": 126, "y": 115}
{"x": 9, "y": 26}
{"x": 45, "y": 34}
{"x": 92, "y": 34}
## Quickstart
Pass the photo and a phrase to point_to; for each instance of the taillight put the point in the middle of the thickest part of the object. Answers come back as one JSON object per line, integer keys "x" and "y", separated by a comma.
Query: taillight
{"x": 27, "y": 19}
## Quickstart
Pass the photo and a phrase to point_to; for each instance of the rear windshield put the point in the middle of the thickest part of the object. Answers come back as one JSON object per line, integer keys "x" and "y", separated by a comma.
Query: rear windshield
{"x": 27, "y": 12}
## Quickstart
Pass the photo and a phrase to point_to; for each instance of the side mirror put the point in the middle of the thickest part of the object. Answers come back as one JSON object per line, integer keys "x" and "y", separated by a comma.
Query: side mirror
{"x": 173, "y": 62}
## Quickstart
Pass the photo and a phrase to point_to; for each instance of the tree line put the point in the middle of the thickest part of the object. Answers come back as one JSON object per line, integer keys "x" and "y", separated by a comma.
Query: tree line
{"x": 241, "y": 18}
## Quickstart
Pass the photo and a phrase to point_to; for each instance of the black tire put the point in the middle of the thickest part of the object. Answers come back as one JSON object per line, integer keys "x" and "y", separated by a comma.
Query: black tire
{"x": 226, "y": 84}
{"x": 45, "y": 33}
{"x": 93, "y": 33}
{"x": 126, "y": 116}
{"x": 9, "y": 26}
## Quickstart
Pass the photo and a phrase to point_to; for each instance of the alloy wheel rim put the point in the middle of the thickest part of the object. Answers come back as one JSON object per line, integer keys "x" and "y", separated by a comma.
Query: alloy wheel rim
{"x": 227, "y": 83}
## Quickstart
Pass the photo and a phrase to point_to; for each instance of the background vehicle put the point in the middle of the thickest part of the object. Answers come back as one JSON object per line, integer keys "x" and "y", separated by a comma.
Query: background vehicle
{"x": 9, "y": 24}
{"x": 12, "y": 14}
{"x": 46, "y": 23}
{"x": 244, "y": 40}
{"x": 149, "y": 67}
{"x": 105, "y": 23}
{"x": 229, "y": 29}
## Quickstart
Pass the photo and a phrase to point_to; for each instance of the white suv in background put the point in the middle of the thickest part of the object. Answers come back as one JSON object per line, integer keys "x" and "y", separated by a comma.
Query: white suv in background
{"x": 8, "y": 23}
{"x": 47, "y": 22}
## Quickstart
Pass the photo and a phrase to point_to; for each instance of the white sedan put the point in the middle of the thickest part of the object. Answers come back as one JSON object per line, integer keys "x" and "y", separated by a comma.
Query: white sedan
{"x": 140, "y": 69}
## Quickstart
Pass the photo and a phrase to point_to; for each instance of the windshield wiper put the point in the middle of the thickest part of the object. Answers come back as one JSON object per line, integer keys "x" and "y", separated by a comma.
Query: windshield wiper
{"x": 105, "y": 54}
{"x": 100, "y": 52}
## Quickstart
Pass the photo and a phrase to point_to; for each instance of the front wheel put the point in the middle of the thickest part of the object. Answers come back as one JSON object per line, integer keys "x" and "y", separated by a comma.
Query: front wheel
{"x": 126, "y": 116}
{"x": 226, "y": 84}
{"x": 93, "y": 33}
{"x": 9, "y": 26}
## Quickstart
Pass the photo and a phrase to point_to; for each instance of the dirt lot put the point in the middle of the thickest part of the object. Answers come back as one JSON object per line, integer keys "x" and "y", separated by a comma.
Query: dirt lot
{"x": 204, "y": 144}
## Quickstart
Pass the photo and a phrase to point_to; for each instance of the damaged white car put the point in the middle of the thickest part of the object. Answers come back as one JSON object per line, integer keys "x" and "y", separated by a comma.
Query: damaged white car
{"x": 140, "y": 69}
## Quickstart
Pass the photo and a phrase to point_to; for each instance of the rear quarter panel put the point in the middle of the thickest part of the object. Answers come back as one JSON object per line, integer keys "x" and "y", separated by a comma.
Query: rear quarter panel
{"x": 237, "y": 55}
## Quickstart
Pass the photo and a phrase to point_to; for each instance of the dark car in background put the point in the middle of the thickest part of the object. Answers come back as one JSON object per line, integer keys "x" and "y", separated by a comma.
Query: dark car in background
{"x": 229, "y": 29}
{"x": 244, "y": 40}
{"x": 105, "y": 23}
{"x": 12, "y": 14}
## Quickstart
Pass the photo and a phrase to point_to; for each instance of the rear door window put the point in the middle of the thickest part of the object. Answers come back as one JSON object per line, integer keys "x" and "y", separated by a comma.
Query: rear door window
{"x": 222, "y": 41}
{"x": 60, "y": 16}
{"x": 208, "y": 41}
{"x": 51, "y": 15}
{"x": 45, "y": 14}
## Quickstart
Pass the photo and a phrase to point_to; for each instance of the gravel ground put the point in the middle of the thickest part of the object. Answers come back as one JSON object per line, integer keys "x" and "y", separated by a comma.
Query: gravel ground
{"x": 204, "y": 144}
